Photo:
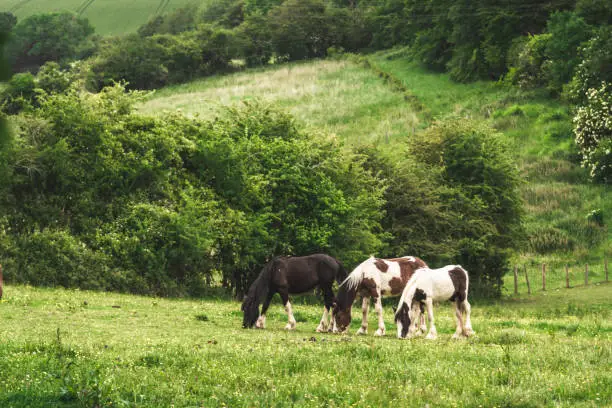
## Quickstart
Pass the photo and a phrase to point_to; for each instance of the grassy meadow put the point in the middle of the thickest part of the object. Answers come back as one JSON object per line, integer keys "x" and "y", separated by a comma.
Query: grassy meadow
{"x": 353, "y": 102}
{"x": 109, "y": 17}
{"x": 65, "y": 348}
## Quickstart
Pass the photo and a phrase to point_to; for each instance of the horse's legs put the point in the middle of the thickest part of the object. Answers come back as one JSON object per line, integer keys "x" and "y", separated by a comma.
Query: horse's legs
{"x": 433, "y": 333}
{"x": 261, "y": 321}
{"x": 467, "y": 328}
{"x": 423, "y": 328}
{"x": 365, "y": 305}
{"x": 381, "y": 322}
{"x": 328, "y": 295}
{"x": 285, "y": 297}
{"x": 459, "y": 320}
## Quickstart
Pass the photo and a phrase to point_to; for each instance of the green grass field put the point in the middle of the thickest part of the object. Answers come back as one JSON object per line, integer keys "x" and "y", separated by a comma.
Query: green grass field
{"x": 550, "y": 349}
{"x": 109, "y": 17}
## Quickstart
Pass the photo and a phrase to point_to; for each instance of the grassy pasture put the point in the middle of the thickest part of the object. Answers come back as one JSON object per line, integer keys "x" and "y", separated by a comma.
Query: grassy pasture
{"x": 550, "y": 349}
{"x": 109, "y": 17}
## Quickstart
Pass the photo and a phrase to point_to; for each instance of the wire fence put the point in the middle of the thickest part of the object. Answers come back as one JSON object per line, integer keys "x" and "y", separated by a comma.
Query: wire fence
{"x": 546, "y": 276}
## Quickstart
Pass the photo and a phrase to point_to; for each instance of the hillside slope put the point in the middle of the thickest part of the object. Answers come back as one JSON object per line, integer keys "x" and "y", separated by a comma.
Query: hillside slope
{"x": 109, "y": 17}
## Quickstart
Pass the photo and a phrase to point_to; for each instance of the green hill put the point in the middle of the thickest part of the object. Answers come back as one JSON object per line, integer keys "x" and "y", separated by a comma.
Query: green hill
{"x": 109, "y": 17}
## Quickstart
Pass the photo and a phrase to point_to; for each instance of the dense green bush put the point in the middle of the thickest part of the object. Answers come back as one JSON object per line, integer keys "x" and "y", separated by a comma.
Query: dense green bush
{"x": 100, "y": 197}
{"x": 479, "y": 192}
{"x": 49, "y": 37}
{"x": 152, "y": 62}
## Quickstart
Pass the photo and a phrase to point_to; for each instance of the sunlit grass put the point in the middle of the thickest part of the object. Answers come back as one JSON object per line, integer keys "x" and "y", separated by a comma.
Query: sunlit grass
{"x": 336, "y": 97}
{"x": 548, "y": 349}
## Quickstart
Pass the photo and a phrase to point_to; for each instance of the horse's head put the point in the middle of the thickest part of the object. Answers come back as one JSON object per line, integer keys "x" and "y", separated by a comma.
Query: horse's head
{"x": 341, "y": 317}
{"x": 402, "y": 320}
{"x": 250, "y": 309}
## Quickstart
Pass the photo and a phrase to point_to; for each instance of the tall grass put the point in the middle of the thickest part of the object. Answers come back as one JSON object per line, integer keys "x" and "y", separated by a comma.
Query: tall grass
{"x": 83, "y": 349}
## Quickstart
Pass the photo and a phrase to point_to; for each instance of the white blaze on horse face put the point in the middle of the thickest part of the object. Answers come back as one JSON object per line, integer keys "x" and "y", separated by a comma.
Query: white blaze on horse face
{"x": 291, "y": 324}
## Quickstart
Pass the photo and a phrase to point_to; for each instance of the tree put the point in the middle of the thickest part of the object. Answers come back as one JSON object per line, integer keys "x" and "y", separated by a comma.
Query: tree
{"x": 46, "y": 37}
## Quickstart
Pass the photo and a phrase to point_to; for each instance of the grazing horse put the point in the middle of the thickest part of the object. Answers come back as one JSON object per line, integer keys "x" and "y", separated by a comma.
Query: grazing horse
{"x": 371, "y": 279}
{"x": 291, "y": 275}
{"x": 426, "y": 286}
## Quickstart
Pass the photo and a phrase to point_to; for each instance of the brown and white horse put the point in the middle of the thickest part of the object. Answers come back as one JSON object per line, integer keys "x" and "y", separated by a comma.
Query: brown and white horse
{"x": 285, "y": 275}
{"x": 426, "y": 286}
{"x": 373, "y": 278}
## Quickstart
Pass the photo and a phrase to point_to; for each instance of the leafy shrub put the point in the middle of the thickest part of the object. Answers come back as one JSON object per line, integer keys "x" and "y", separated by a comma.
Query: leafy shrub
{"x": 594, "y": 68}
{"x": 49, "y": 37}
{"x": 593, "y": 130}
{"x": 159, "y": 205}
{"x": 57, "y": 258}
{"x": 526, "y": 58}
{"x": 567, "y": 32}
{"x": 479, "y": 188}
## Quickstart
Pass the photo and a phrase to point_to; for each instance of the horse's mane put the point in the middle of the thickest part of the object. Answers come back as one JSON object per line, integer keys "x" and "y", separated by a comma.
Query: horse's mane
{"x": 259, "y": 288}
{"x": 356, "y": 276}
{"x": 341, "y": 273}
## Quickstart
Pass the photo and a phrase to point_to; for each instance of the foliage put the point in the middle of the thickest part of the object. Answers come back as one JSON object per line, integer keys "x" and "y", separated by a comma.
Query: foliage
{"x": 152, "y": 62}
{"x": 593, "y": 129}
{"x": 567, "y": 32}
{"x": 527, "y": 57}
{"x": 46, "y": 37}
{"x": 480, "y": 195}
{"x": 7, "y": 22}
{"x": 301, "y": 29}
{"x": 105, "y": 198}
{"x": 178, "y": 21}
{"x": 594, "y": 67}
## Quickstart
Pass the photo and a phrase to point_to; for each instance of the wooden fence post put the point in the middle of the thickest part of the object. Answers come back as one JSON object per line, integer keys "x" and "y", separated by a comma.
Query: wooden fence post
{"x": 515, "y": 280}
{"x": 527, "y": 279}
{"x": 567, "y": 276}
{"x": 586, "y": 274}
{"x": 543, "y": 276}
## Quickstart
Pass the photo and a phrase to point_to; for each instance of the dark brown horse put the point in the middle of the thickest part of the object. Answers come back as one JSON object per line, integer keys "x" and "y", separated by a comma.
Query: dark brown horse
{"x": 291, "y": 275}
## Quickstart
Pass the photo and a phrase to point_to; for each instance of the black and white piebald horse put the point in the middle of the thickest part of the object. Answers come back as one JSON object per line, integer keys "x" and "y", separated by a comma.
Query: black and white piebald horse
{"x": 426, "y": 286}
{"x": 371, "y": 279}
{"x": 291, "y": 275}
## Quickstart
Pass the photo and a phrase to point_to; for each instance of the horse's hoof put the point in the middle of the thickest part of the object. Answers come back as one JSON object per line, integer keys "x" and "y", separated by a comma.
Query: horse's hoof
{"x": 362, "y": 331}
{"x": 379, "y": 332}
{"x": 469, "y": 333}
{"x": 321, "y": 329}
{"x": 457, "y": 336}
{"x": 431, "y": 337}
{"x": 290, "y": 326}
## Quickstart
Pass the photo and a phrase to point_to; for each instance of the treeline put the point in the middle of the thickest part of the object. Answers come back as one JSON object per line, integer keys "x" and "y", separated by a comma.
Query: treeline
{"x": 562, "y": 47}
{"x": 96, "y": 196}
